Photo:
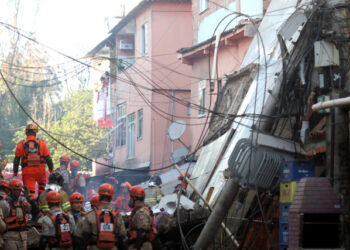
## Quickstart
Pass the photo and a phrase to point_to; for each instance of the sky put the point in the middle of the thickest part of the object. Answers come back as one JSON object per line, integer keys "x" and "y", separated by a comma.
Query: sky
{"x": 70, "y": 26}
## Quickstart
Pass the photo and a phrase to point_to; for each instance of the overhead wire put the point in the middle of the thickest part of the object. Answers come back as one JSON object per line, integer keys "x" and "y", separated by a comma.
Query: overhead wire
{"x": 193, "y": 105}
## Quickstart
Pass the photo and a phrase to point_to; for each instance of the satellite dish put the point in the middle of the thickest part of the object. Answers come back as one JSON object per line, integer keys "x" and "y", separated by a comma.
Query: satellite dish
{"x": 178, "y": 155}
{"x": 176, "y": 130}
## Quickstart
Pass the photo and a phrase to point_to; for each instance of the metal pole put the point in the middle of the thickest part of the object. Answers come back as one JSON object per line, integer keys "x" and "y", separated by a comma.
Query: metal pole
{"x": 223, "y": 204}
{"x": 229, "y": 233}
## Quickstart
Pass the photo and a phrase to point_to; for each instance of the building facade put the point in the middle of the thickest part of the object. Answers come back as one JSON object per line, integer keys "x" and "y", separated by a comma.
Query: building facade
{"x": 149, "y": 87}
{"x": 237, "y": 32}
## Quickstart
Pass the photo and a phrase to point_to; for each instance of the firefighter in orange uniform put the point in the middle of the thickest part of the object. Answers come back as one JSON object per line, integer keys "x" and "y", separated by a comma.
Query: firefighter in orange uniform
{"x": 34, "y": 154}
{"x": 95, "y": 201}
{"x": 103, "y": 226}
{"x": 142, "y": 231}
{"x": 122, "y": 202}
{"x": 78, "y": 180}
{"x": 4, "y": 189}
{"x": 57, "y": 225}
{"x": 16, "y": 210}
{"x": 63, "y": 170}
{"x": 76, "y": 202}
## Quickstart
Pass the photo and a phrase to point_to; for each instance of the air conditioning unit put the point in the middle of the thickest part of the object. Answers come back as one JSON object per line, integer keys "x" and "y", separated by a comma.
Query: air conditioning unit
{"x": 126, "y": 44}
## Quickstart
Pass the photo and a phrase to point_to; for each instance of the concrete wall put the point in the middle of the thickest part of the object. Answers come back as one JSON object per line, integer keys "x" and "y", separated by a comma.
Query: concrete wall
{"x": 214, "y": 17}
{"x": 229, "y": 59}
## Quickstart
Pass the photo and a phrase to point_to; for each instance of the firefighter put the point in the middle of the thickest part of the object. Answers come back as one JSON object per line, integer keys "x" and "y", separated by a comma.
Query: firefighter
{"x": 153, "y": 193}
{"x": 63, "y": 170}
{"x": 4, "y": 189}
{"x": 34, "y": 153}
{"x": 16, "y": 210}
{"x": 78, "y": 180}
{"x": 55, "y": 184}
{"x": 122, "y": 202}
{"x": 94, "y": 204}
{"x": 3, "y": 163}
{"x": 103, "y": 226}
{"x": 76, "y": 202}
{"x": 182, "y": 186}
{"x": 95, "y": 201}
{"x": 57, "y": 225}
{"x": 142, "y": 231}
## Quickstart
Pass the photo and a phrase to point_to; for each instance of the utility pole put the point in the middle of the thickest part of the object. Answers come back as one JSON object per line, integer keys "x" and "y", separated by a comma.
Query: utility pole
{"x": 336, "y": 29}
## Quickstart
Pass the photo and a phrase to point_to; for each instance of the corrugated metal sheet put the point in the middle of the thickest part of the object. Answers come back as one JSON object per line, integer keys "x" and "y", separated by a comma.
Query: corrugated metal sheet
{"x": 206, "y": 162}
{"x": 282, "y": 10}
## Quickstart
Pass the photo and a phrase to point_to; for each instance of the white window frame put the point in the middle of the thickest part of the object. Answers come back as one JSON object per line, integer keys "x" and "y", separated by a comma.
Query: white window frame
{"x": 131, "y": 136}
{"x": 203, "y": 5}
{"x": 139, "y": 124}
{"x": 121, "y": 124}
{"x": 144, "y": 39}
{"x": 201, "y": 97}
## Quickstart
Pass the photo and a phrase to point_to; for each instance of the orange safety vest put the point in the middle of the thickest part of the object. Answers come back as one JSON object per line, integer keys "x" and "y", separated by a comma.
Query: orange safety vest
{"x": 63, "y": 237}
{"x": 31, "y": 152}
{"x": 133, "y": 230}
{"x": 14, "y": 223}
{"x": 106, "y": 226}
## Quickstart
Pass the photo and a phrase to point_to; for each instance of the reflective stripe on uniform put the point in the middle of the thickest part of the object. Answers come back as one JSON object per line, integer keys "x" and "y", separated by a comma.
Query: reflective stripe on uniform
{"x": 66, "y": 205}
{"x": 159, "y": 197}
{"x": 150, "y": 199}
{"x": 44, "y": 208}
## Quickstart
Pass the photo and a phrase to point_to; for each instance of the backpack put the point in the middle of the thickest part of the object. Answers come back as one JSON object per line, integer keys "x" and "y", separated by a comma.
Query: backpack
{"x": 61, "y": 222}
{"x": 106, "y": 225}
{"x": 32, "y": 152}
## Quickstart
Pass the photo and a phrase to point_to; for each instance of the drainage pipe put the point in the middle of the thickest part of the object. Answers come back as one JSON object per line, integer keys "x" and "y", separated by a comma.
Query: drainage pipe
{"x": 331, "y": 103}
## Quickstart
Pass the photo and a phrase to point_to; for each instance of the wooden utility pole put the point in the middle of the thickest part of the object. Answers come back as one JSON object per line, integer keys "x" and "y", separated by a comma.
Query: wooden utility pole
{"x": 336, "y": 29}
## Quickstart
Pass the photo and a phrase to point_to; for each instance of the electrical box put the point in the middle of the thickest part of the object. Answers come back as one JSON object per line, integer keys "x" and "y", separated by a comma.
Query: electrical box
{"x": 326, "y": 54}
{"x": 126, "y": 45}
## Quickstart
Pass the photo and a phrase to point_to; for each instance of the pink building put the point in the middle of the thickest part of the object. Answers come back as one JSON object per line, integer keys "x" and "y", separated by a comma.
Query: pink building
{"x": 147, "y": 95}
{"x": 237, "y": 34}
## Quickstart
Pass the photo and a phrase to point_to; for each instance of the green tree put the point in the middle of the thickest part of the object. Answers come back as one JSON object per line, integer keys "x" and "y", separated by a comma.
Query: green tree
{"x": 76, "y": 129}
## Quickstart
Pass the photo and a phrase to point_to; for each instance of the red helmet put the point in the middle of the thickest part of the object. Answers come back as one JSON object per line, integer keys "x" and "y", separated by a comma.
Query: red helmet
{"x": 5, "y": 183}
{"x": 32, "y": 127}
{"x": 126, "y": 184}
{"x": 137, "y": 191}
{"x": 64, "y": 158}
{"x": 95, "y": 200}
{"x": 75, "y": 165}
{"x": 53, "y": 197}
{"x": 76, "y": 197}
{"x": 16, "y": 184}
{"x": 106, "y": 189}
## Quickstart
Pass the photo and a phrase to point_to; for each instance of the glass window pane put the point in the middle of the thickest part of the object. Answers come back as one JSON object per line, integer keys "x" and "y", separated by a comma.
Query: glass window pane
{"x": 139, "y": 123}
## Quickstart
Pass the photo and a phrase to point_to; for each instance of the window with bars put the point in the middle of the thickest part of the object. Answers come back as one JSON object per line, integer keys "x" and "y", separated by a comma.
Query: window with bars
{"x": 121, "y": 124}
{"x": 131, "y": 136}
{"x": 139, "y": 124}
